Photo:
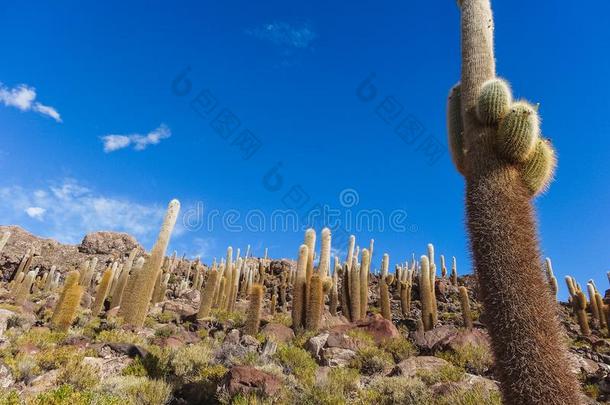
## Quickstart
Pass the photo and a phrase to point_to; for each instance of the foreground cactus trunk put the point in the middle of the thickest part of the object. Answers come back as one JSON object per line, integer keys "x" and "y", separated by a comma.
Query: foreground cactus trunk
{"x": 520, "y": 312}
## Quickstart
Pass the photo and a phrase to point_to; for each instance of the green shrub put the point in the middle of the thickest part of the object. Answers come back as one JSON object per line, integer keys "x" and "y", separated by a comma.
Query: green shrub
{"x": 361, "y": 337}
{"x": 67, "y": 395}
{"x": 371, "y": 360}
{"x": 80, "y": 375}
{"x": 446, "y": 373}
{"x": 476, "y": 395}
{"x": 57, "y": 357}
{"x": 136, "y": 368}
{"x": 298, "y": 362}
{"x": 399, "y": 348}
{"x": 119, "y": 336}
{"x": 476, "y": 359}
{"x": 396, "y": 390}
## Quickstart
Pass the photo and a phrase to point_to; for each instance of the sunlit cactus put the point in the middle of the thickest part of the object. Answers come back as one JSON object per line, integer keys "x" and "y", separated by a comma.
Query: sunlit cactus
{"x": 426, "y": 292}
{"x": 299, "y": 289}
{"x": 465, "y": 304}
{"x": 384, "y": 297}
{"x": 207, "y": 294}
{"x": 316, "y": 303}
{"x": 518, "y": 132}
{"x": 102, "y": 291}
{"x": 122, "y": 281}
{"x": 494, "y": 101}
{"x": 550, "y": 276}
{"x": 365, "y": 267}
{"x": 537, "y": 173}
{"x": 455, "y": 128}
{"x": 310, "y": 242}
{"x": 68, "y": 303}
{"x": 454, "y": 274}
{"x": 253, "y": 318}
{"x": 354, "y": 293}
{"x": 334, "y": 294}
{"x": 135, "y": 306}
{"x": 24, "y": 288}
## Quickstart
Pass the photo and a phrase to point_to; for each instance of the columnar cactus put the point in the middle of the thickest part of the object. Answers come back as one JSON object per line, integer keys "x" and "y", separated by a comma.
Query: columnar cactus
{"x": 136, "y": 305}
{"x": 365, "y": 269}
{"x": 465, "y": 304}
{"x": 299, "y": 289}
{"x": 354, "y": 292}
{"x": 324, "y": 264}
{"x": 316, "y": 302}
{"x": 601, "y": 308}
{"x": 310, "y": 242}
{"x": 501, "y": 178}
{"x": 23, "y": 290}
{"x": 334, "y": 294}
{"x": 68, "y": 303}
{"x": 384, "y": 297}
{"x": 579, "y": 305}
{"x": 122, "y": 281}
{"x": 592, "y": 301}
{"x": 207, "y": 294}
{"x": 253, "y": 318}
{"x": 405, "y": 291}
{"x": 550, "y": 276}
{"x": 426, "y": 291}
{"x": 273, "y": 301}
{"x": 454, "y": 274}
{"x": 102, "y": 291}
{"x": 49, "y": 280}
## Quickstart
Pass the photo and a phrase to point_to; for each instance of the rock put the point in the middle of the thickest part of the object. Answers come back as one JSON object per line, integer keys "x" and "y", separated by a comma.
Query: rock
{"x": 278, "y": 332}
{"x": 127, "y": 349}
{"x": 108, "y": 367}
{"x": 5, "y": 315}
{"x": 107, "y": 243}
{"x": 580, "y": 364}
{"x": 44, "y": 382}
{"x": 6, "y": 377}
{"x": 181, "y": 308}
{"x": 269, "y": 348}
{"x": 192, "y": 296}
{"x": 315, "y": 344}
{"x": 232, "y": 337}
{"x": 337, "y": 357}
{"x": 247, "y": 379}
{"x": 250, "y": 343}
{"x": 378, "y": 327}
{"x": 426, "y": 341}
{"x": 328, "y": 321}
{"x": 322, "y": 376}
{"x": 475, "y": 337}
{"x": 409, "y": 367}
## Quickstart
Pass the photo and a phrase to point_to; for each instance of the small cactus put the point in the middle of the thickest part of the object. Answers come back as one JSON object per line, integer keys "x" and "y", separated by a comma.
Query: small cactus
{"x": 494, "y": 101}
{"x": 518, "y": 133}
{"x": 273, "y": 302}
{"x": 253, "y": 318}
{"x": 454, "y": 274}
{"x": 537, "y": 173}
{"x": 550, "y": 276}
{"x": 465, "y": 303}
{"x": 102, "y": 291}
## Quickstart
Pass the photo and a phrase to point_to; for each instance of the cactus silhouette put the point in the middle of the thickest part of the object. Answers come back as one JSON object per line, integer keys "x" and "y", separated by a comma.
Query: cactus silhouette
{"x": 521, "y": 314}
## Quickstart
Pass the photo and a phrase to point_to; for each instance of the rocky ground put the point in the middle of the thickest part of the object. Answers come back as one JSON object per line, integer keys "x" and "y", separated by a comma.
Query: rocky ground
{"x": 177, "y": 359}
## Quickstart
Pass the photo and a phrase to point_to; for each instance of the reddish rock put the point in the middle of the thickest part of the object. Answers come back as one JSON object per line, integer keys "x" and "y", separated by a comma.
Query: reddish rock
{"x": 377, "y": 326}
{"x": 475, "y": 337}
{"x": 105, "y": 243}
{"x": 427, "y": 341}
{"x": 409, "y": 367}
{"x": 278, "y": 332}
{"x": 246, "y": 379}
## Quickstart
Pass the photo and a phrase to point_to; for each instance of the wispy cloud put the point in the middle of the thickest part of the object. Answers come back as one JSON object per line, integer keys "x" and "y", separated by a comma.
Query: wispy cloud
{"x": 23, "y": 97}
{"x": 284, "y": 34}
{"x": 68, "y": 210}
{"x": 114, "y": 142}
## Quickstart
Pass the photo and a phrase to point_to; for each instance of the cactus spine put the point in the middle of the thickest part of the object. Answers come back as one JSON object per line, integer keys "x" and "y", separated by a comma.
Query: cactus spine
{"x": 207, "y": 294}
{"x": 465, "y": 304}
{"x": 316, "y": 302}
{"x": 334, "y": 294}
{"x": 365, "y": 268}
{"x": 521, "y": 314}
{"x": 122, "y": 281}
{"x": 425, "y": 294}
{"x": 253, "y": 318}
{"x": 354, "y": 292}
{"x": 299, "y": 288}
{"x": 136, "y": 305}
{"x": 23, "y": 289}
{"x": 68, "y": 303}
{"x": 384, "y": 296}
{"x": 102, "y": 291}
{"x": 310, "y": 241}
{"x": 494, "y": 101}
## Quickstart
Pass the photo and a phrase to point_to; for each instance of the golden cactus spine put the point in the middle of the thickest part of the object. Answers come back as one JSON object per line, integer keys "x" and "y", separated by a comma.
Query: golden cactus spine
{"x": 136, "y": 305}
{"x": 253, "y": 318}
{"x": 592, "y": 301}
{"x": 310, "y": 241}
{"x": 316, "y": 303}
{"x": 122, "y": 281}
{"x": 207, "y": 294}
{"x": 354, "y": 291}
{"x": 334, "y": 294}
{"x": 299, "y": 289}
{"x": 465, "y": 304}
{"x": 384, "y": 296}
{"x": 102, "y": 291}
{"x": 550, "y": 276}
{"x": 68, "y": 303}
{"x": 365, "y": 269}
{"x": 23, "y": 290}
{"x": 425, "y": 294}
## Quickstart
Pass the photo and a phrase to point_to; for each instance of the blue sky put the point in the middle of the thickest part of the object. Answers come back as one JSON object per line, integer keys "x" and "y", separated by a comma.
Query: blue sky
{"x": 97, "y": 132}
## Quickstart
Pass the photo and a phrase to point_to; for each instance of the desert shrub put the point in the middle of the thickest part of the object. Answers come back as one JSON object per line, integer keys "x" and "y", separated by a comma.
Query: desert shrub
{"x": 476, "y": 395}
{"x": 137, "y": 390}
{"x": 57, "y": 357}
{"x": 399, "y": 348}
{"x": 165, "y": 331}
{"x": 9, "y": 397}
{"x": 591, "y": 390}
{"x": 119, "y": 336}
{"x": 238, "y": 318}
{"x": 188, "y": 361}
{"x": 68, "y": 395}
{"x": 361, "y": 337}
{"x": 371, "y": 360}
{"x": 81, "y": 376}
{"x": 302, "y": 338}
{"x": 24, "y": 367}
{"x": 298, "y": 362}
{"x": 446, "y": 373}
{"x": 136, "y": 368}
{"x": 476, "y": 359}
{"x": 396, "y": 390}
{"x": 283, "y": 318}
{"x": 40, "y": 337}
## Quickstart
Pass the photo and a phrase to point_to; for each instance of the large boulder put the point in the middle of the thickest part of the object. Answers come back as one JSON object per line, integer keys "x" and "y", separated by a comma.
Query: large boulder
{"x": 377, "y": 326}
{"x": 247, "y": 379}
{"x": 409, "y": 367}
{"x": 108, "y": 243}
{"x": 278, "y": 332}
{"x": 428, "y": 341}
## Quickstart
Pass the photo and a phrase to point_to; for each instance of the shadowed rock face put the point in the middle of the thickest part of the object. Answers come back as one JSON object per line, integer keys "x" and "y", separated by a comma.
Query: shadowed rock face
{"x": 47, "y": 252}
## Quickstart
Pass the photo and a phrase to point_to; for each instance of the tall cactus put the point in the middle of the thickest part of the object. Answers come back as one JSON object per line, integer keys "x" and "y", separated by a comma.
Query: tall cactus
{"x": 502, "y": 174}
{"x": 316, "y": 302}
{"x": 68, "y": 302}
{"x": 426, "y": 293}
{"x": 299, "y": 289}
{"x": 255, "y": 305}
{"x": 365, "y": 269}
{"x": 136, "y": 304}
{"x": 102, "y": 291}
{"x": 207, "y": 294}
{"x": 465, "y": 304}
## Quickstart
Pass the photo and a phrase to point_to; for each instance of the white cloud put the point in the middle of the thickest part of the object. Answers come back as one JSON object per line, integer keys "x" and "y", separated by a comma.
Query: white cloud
{"x": 23, "y": 97}
{"x": 284, "y": 34}
{"x": 139, "y": 142}
{"x": 70, "y": 210}
{"x": 35, "y": 212}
